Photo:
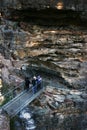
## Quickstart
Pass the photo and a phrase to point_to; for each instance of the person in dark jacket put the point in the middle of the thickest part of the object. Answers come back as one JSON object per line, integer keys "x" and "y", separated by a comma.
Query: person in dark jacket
{"x": 27, "y": 83}
{"x": 34, "y": 81}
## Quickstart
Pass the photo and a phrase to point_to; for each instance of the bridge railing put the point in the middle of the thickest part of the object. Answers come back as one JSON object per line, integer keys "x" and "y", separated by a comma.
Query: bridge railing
{"x": 9, "y": 96}
{"x": 12, "y": 93}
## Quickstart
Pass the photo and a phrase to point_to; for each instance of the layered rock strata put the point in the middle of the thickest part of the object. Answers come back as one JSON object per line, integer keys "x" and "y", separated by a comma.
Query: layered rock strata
{"x": 63, "y": 49}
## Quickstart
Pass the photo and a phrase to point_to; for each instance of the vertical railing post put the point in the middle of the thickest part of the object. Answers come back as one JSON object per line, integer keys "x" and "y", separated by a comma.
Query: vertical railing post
{"x": 19, "y": 104}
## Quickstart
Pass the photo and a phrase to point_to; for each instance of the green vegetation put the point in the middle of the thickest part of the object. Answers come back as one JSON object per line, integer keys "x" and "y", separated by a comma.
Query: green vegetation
{"x": 12, "y": 124}
{"x": 8, "y": 98}
{"x": 6, "y": 94}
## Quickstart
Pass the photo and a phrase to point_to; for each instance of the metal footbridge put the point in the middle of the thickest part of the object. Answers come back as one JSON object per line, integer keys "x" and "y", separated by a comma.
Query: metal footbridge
{"x": 17, "y": 103}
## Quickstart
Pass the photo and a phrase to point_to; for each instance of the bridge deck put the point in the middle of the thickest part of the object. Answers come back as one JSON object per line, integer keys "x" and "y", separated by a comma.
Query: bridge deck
{"x": 15, "y": 105}
{"x": 20, "y": 101}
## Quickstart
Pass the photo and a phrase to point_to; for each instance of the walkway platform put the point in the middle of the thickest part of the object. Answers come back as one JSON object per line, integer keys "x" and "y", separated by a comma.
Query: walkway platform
{"x": 14, "y": 106}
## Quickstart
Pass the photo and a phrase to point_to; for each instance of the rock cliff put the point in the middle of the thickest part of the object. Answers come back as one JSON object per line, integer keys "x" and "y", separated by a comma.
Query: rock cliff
{"x": 60, "y": 4}
{"x": 58, "y": 51}
{"x": 62, "y": 49}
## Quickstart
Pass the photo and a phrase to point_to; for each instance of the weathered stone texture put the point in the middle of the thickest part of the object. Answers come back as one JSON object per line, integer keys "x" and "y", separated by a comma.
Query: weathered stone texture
{"x": 63, "y": 49}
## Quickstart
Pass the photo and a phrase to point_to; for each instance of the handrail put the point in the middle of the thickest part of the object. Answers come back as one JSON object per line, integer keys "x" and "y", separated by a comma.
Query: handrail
{"x": 12, "y": 89}
{"x": 10, "y": 95}
{"x": 14, "y": 98}
{"x": 27, "y": 102}
{"x": 21, "y": 85}
{"x": 12, "y": 101}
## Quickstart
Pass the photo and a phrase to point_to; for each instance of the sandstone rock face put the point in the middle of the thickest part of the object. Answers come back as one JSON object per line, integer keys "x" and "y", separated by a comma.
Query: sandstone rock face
{"x": 63, "y": 49}
{"x": 60, "y": 50}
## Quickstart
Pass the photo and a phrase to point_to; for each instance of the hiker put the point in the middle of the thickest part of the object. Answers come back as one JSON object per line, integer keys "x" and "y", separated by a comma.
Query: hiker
{"x": 34, "y": 83}
{"x": 27, "y": 83}
{"x": 39, "y": 81}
